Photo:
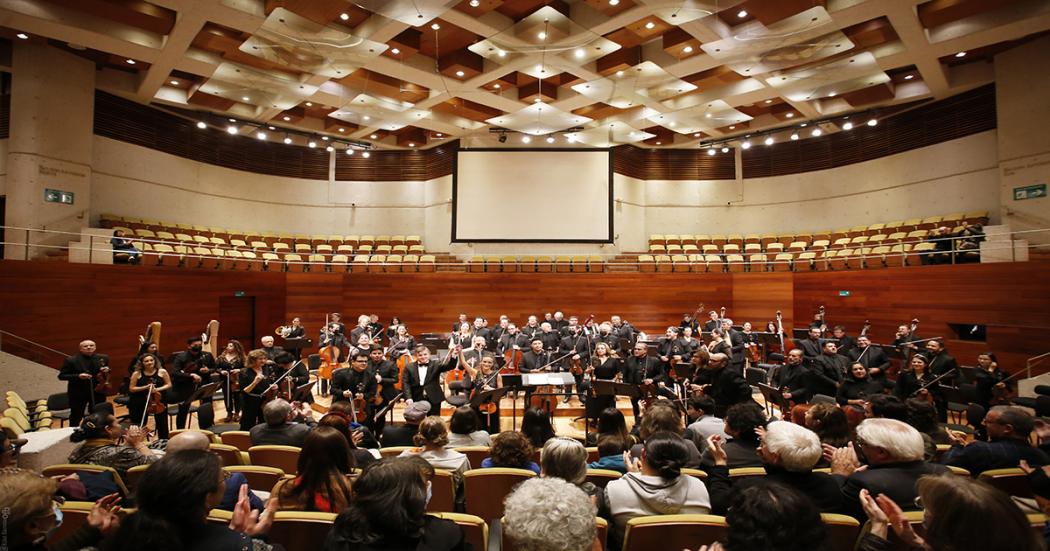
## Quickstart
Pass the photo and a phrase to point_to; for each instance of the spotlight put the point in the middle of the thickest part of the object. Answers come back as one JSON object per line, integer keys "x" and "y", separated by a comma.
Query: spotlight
{"x": 725, "y": 150}
{"x": 395, "y": 51}
{"x": 344, "y": 16}
{"x": 201, "y": 125}
{"x": 650, "y": 25}
{"x": 790, "y": 115}
{"x": 909, "y": 77}
{"x": 342, "y": 130}
{"x": 526, "y": 139}
{"x": 619, "y": 73}
{"x": 769, "y": 101}
{"x": 349, "y": 151}
{"x": 287, "y": 140}
{"x": 474, "y": 3}
{"x": 261, "y": 135}
{"x": 23, "y": 36}
{"x": 366, "y": 154}
{"x": 374, "y": 136}
{"x": 687, "y": 50}
{"x": 325, "y": 138}
{"x": 746, "y": 145}
{"x": 495, "y": 86}
{"x": 550, "y": 139}
{"x": 794, "y": 136}
{"x": 245, "y": 98}
{"x": 571, "y": 138}
{"x": 129, "y": 61}
{"x": 460, "y": 74}
{"x": 173, "y": 82}
{"x": 769, "y": 140}
{"x": 231, "y": 129}
{"x": 329, "y": 149}
{"x": 872, "y": 122}
{"x": 435, "y": 27}
{"x": 311, "y": 144}
{"x": 286, "y": 118}
{"x": 580, "y": 53}
{"x": 816, "y": 132}
{"x": 410, "y": 144}
{"x": 309, "y": 104}
{"x": 501, "y": 53}
{"x": 614, "y": 2}
{"x": 542, "y": 35}
{"x": 232, "y": 120}
{"x": 741, "y": 14}
{"x": 831, "y": 95}
{"x": 848, "y": 126}
{"x": 366, "y": 117}
{"x": 960, "y": 54}
{"x": 502, "y": 138}
{"x": 710, "y": 151}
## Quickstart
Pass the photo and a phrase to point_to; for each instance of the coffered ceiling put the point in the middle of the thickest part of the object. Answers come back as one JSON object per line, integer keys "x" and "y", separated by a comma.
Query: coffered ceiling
{"x": 414, "y": 73}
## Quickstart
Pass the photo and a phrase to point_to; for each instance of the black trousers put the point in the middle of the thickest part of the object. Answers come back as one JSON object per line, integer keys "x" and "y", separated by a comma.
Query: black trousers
{"x": 78, "y": 404}
{"x": 160, "y": 420}
{"x": 205, "y": 415}
{"x": 251, "y": 411}
{"x": 489, "y": 421}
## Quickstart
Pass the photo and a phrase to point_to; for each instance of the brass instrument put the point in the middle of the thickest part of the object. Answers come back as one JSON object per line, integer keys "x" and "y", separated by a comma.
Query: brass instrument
{"x": 283, "y": 331}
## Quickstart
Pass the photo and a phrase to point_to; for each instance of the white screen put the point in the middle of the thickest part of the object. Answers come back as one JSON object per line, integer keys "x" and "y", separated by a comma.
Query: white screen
{"x": 532, "y": 196}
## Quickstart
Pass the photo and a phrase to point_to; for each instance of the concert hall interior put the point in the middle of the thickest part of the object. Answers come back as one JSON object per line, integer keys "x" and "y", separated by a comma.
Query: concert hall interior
{"x": 669, "y": 257}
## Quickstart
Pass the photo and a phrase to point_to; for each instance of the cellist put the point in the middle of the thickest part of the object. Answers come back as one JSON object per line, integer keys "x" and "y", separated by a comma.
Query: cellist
{"x": 148, "y": 378}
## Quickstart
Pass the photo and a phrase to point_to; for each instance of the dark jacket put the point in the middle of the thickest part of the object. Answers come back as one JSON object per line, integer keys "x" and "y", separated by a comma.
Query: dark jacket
{"x": 895, "y": 480}
{"x": 438, "y": 535}
{"x": 978, "y": 457}
{"x": 399, "y": 435}
{"x": 429, "y": 389}
{"x": 820, "y": 487}
{"x": 285, "y": 434}
{"x": 76, "y": 364}
{"x": 728, "y": 387}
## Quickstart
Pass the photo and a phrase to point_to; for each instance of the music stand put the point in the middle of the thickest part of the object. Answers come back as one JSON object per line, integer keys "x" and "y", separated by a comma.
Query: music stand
{"x": 204, "y": 392}
{"x": 304, "y": 393}
{"x": 774, "y": 397}
{"x": 601, "y": 387}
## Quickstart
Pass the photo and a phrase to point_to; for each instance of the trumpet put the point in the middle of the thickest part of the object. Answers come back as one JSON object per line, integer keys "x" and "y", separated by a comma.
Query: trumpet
{"x": 283, "y": 330}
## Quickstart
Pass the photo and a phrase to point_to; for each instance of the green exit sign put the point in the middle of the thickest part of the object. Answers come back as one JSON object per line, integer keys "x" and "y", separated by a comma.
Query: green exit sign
{"x": 1033, "y": 191}
{"x": 844, "y": 293}
{"x": 238, "y": 294}
{"x": 58, "y": 196}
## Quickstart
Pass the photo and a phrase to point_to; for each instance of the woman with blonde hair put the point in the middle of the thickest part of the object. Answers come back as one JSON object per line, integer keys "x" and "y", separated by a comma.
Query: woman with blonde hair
{"x": 432, "y": 439}
{"x": 31, "y": 514}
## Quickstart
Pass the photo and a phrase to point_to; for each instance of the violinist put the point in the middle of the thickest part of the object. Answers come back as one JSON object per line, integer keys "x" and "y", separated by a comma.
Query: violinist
{"x": 604, "y": 365}
{"x": 750, "y": 341}
{"x": 642, "y": 369}
{"x": 911, "y": 380}
{"x": 461, "y": 338}
{"x": 532, "y": 327}
{"x": 80, "y": 372}
{"x": 990, "y": 380}
{"x": 149, "y": 379}
{"x": 687, "y": 344}
{"x": 577, "y": 343}
{"x": 297, "y": 375}
{"x": 364, "y": 327}
{"x": 254, "y": 385}
{"x": 191, "y": 368}
{"x": 495, "y": 335}
{"x": 357, "y": 384}
{"x": 905, "y": 338}
{"x": 941, "y": 365}
{"x": 484, "y": 379}
{"x": 667, "y": 346}
{"x": 229, "y": 364}
{"x": 401, "y": 342}
{"x": 512, "y": 340}
{"x": 386, "y": 374}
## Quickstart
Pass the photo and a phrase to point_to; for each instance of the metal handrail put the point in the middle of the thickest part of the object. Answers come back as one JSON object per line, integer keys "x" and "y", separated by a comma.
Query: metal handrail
{"x": 34, "y": 343}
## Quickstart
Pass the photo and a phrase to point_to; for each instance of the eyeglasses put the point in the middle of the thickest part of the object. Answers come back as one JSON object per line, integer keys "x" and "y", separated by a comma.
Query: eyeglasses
{"x": 10, "y": 447}
{"x": 918, "y": 503}
{"x": 360, "y": 360}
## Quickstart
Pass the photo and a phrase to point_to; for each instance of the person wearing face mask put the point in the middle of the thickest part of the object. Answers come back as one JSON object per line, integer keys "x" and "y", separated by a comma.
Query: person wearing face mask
{"x": 190, "y": 369}
{"x": 31, "y": 514}
{"x": 79, "y": 371}
{"x": 100, "y": 433}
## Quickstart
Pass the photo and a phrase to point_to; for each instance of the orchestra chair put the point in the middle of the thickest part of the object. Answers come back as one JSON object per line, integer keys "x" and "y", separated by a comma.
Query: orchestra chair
{"x": 285, "y": 458}
{"x": 485, "y": 489}
{"x": 394, "y": 451}
{"x": 663, "y": 263}
{"x": 1013, "y": 481}
{"x": 134, "y": 475}
{"x": 782, "y": 262}
{"x": 673, "y": 532}
{"x": 475, "y": 530}
{"x": 527, "y": 264}
{"x": 842, "y": 531}
{"x": 300, "y": 530}
{"x": 695, "y": 473}
{"x": 64, "y": 469}
{"x": 476, "y": 264}
{"x": 230, "y": 455}
{"x": 602, "y": 477}
{"x": 443, "y": 492}
{"x": 601, "y": 533}
{"x": 58, "y": 405}
{"x": 741, "y": 472}
{"x": 475, "y": 454}
{"x": 544, "y": 264}
{"x": 427, "y": 263}
{"x": 260, "y": 478}
{"x": 680, "y": 263}
{"x": 563, "y": 264}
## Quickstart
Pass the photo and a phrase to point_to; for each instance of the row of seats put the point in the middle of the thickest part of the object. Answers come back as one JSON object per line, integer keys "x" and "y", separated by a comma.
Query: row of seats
{"x": 161, "y": 254}
{"x": 829, "y": 259}
{"x": 20, "y": 417}
{"x": 256, "y": 243}
{"x": 802, "y": 244}
{"x": 888, "y": 228}
{"x": 563, "y": 264}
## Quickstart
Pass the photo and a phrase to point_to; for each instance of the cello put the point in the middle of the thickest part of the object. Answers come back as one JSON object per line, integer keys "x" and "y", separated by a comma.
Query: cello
{"x": 512, "y": 360}
{"x": 329, "y": 354}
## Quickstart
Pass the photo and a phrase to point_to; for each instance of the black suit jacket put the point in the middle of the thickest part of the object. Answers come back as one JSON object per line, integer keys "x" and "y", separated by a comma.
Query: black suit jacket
{"x": 809, "y": 347}
{"x": 430, "y": 388}
{"x": 895, "y": 480}
{"x": 873, "y": 358}
{"x": 76, "y": 364}
{"x": 820, "y": 487}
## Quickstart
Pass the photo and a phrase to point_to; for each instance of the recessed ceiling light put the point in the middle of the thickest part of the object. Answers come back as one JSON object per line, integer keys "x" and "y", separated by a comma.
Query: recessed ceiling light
{"x": 272, "y": 127}
{"x": 23, "y": 36}
{"x": 366, "y": 154}
{"x": 325, "y": 138}
{"x": 501, "y": 53}
{"x": 475, "y": 3}
{"x": 619, "y": 73}
{"x": 201, "y": 125}
{"x": 794, "y": 136}
{"x": 311, "y": 144}
{"x": 460, "y": 74}
{"x": 872, "y": 122}
{"x": 374, "y": 136}
{"x": 286, "y": 118}
{"x": 725, "y": 150}
{"x": 789, "y": 115}
{"x": 550, "y": 139}
{"x": 769, "y": 101}
{"x": 614, "y": 2}
{"x": 960, "y": 54}
{"x": 173, "y": 82}
{"x": 525, "y": 139}
{"x": 129, "y": 61}
{"x": 769, "y": 140}
{"x": 342, "y": 130}
{"x": 741, "y": 14}
{"x": 831, "y": 95}
{"x": 395, "y": 51}
{"x": 848, "y": 126}
{"x": 231, "y": 129}
{"x": 309, "y": 104}
{"x": 580, "y": 53}
{"x": 909, "y": 77}
{"x": 697, "y": 135}
{"x": 435, "y": 26}
{"x": 658, "y": 143}
{"x": 571, "y": 138}
{"x": 688, "y": 49}
{"x": 439, "y": 134}
{"x": 537, "y": 100}
{"x": 344, "y": 16}
{"x": 708, "y": 115}
{"x": 232, "y": 120}
{"x": 349, "y": 151}
{"x": 746, "y": 145}
{"x": 496, "y": 86}
{"x": 732, "y": 127}
{"x": 410, "y": 144}
{"x": 366, "y": 117}
{"x": 287, "y": 140}
{"x": 650, "y": 25}
{"x": 245, "y": 98}
{"x": 542, "y": 35}
{"x": 261, "y": 135}
{"x": 329, "y": 149}
{"x": 816, "y": 132}
{"x": 710, "y": 151}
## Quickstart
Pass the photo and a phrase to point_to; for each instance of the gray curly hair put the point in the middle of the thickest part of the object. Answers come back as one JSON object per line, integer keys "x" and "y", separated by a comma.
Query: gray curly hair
{"x": 538, "y": 505}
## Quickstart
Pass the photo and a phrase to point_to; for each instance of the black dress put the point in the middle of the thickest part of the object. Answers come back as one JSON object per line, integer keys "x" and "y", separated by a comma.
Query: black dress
{"x": 604, "y": 371}
{"x": 232, "y": 399}
{"x": 137, "y": 404}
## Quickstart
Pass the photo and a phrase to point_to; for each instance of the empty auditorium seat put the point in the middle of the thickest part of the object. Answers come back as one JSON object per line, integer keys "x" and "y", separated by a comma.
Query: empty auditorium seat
{"x": 672, "y": 240}
{"x": 663, "y": 263}
{"x": 702, "y": 240}
{"x": 797, "y": 246}
{"x": 877, "y": 257}
{"x": 646, "y": 263}
{"x": 376, "y": 263}
{"x": 840, "y": 260}
{"x": 563, "y": 263}
{"x": 774, "y": 247}
{"x": 595, "y": 263}
{"x": 714, "y": 262}
{"x": 544, "y": 264}
{"x": 680, "y": 263}
{"x": 410, "y": 263}
{"x": 859, "y": 258}
{"x": 735, "y": 262}
{"x": 317, "y": 263}
{"x": 427, "y": 263}
{"x": 758, "y": 262}
{"x": 485, "y": 489}
{"x": 295, "y": 263}
{"x": 656, "y": 239}
{"x": 783, "y": 262}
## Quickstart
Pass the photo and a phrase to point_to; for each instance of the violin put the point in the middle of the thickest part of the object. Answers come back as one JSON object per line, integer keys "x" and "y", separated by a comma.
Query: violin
{"x": 102, "y": 384}
{"x": 358, "y": 406}
{"x": 155, "y": 402}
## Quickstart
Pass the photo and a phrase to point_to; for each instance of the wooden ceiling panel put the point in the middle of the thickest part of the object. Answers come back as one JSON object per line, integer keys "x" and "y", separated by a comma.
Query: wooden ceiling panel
{"x": 323, "y": 12}
{"x": 871, "y": 94}
{"x": 680, "y": 44}
{"x": 461, "y": 64}
{"x": 467, "y": 109}
{"x": 768, "y": 12}
{"x": 598, "y": 111}
{"x": 405, "y": 44}
{"x": 939, "y": 12}
{"x": 625, "y": 38}
{"x": 411, "y": 136}
{"x": 291, "y": 116}
{"x": 378, "y": 84}
{"x": 620, "y": 60}
{"x": 871, "y": 33}
{"x": 208, "y": 101}
{"x": 339, "y": 126}
{"x": 714, "y": 77}
{"x": 134, "y": 13}
{"x": 226, "y": 43}
{"x": 520, "y": 9}
{"x": 483, "y": 7}
{"x": 448, "y": 38}
{"x": 609, "y": 10}
{"x": 531, "y": 92}
{"x": 649, "y": 28}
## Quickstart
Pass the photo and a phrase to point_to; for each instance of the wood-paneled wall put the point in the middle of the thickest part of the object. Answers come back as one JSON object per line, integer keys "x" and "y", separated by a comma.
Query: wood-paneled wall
{"x": 60, "y": 304}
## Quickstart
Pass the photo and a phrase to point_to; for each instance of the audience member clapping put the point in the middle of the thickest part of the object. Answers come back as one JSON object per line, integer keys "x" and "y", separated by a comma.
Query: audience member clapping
{"x": 549, "y": 514}
{"x": 740, "y": 423}
{"x": 31, "y": 514}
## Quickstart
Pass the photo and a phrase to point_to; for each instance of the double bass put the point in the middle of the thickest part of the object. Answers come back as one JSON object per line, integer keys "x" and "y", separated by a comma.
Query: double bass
{"x": 329, "y": 354}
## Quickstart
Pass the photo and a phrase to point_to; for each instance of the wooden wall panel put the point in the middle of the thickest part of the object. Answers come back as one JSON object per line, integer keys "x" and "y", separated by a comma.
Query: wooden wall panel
{"x": 59, "y": 304}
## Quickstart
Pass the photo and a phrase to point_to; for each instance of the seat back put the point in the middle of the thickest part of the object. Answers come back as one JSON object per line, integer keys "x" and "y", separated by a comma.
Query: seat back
{"x": 443, "y": 492}
{"x": 230, "y": 455}
{"x": 300, "y": 530}
{"x": 285, "y": 458}
{"x": 476, "y": 454}
{"x": 259, "y": 477}
{"x": 475, "y": 530}
{"x": 73, "y": 468}
{"x": 602, "y": 477}
{"x": 842, "y": 531}
{"x": 485, "y": 489}
{"x": 1012, "y": 481}
{"x": 673, "y": 532}
{"x": 240, "y": 439}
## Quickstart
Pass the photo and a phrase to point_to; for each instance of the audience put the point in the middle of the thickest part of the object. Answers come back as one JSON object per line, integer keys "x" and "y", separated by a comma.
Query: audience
{"x": 770, "y": 515}
{"x": 789, "y": 452}
{"x": 341, "y": 422}
{"x": 404, "y": 435}
{"x": 566, "y": 458}
{"x": 279, "y": 427}
{"x": 923, "y": 416}
{"x": 196, "y": 440}
{"x": 548, "y": 514}
{"x": 30, "y": 514}
{"x": 654, "y": 485}
{"x": 433, "y": 439}
{"x": 388, "y": 511}
{"x": 663, "y": 417}
{"x": 959, "y": 513}
{"x": 1009, "y": 429}
{"x": 323, "y": 482}
{"x": 886, "y": 406}
{"x": 700, "y": 410}
{"x": 511, "y": 449}
{"x": 9, "y": 448}
{"x": 612, "y": 422}
{"x": 610, "y": 454}
{"x": 173, "y": 499}
{"x": 100, "y": 433}
{"x": 740, "y": 424}
{"x": 536, "y": 426}
{"x": 830, "y": 424}
{"x": 893, "y": 453}
{"x": 463, "y": 429}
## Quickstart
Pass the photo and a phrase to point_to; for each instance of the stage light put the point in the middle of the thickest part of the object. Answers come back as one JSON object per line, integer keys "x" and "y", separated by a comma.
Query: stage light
{"x": 231, "y": 129}
{"x": 202, "y": 125}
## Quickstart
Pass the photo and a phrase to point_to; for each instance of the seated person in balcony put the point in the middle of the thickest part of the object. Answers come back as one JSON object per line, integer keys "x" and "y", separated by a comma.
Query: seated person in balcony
{"x": 124, "y": 246}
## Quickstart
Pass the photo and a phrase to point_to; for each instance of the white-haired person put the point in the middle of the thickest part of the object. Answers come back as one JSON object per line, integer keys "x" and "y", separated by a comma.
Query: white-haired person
{"x": 654, "y": 485}
{"x": 550, "y": 514}
{"x": 893, "y": 454}
{"x": 566, "y": 458}
{"x": 788, "y": 452}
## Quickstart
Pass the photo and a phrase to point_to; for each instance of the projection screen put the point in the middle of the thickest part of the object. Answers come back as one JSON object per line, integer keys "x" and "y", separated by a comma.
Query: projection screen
{"x": 536, "y": 196}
